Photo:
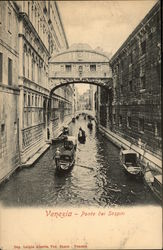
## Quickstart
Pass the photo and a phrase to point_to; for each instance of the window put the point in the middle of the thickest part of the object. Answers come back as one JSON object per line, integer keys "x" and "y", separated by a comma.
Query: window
{"x": 32, "y": 100}
{"x": 68, "y": 68}
{"x": 130, "y": 86}
{"x": 143, "y": 47}
{"x": 2, "y": 129}
{"x": 120, "y": 120}
{"x": 130, "y": 57}
{"x": 24, "y": 99}
{"x": 93, "y": 67}
{"x": 29, "y": 101}
{"x": 141, "y": 124}
{"x": 36, "y": 100}
{"x": 157, "y": 129}
{"x": 33, "y": 68}
{"x": 129, "y": 121}
{"x": 80, "y": 68}
{"x": 28, "y": 65}
{"x": 9, "y": 20}
{"x": 114, "y": 118}
{"x": 121, "y": 88}
{"x": 142, "y": 82}
{"x": 9, "y": 71}
{"x": 1, "y": 66}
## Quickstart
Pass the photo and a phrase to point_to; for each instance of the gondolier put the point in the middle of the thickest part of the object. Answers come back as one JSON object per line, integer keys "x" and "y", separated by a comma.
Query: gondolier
{"x": 57, "y": 156}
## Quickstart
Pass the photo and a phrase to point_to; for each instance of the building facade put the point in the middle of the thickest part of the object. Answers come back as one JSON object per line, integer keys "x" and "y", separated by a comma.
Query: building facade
{"x": 9, "y": 90}
{"x": 135, "y": 108}
{"x": 31, "y": 32}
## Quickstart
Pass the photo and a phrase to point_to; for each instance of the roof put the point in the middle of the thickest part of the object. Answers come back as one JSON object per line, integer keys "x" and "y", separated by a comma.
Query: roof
{"x": 128, "y": 151}
{"x": 80, "y": 53}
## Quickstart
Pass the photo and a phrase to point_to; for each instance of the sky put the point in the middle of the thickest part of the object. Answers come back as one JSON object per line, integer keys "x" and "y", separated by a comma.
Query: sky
{"x": 105, "y": 24}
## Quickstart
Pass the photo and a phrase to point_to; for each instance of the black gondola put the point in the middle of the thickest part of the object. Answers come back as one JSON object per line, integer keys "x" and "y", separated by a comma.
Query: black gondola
{"x": 66, "y": 162}
{"x": 67, "y": 158}
{"x": 65, "y": 130}
{"x": 90, "y": 125}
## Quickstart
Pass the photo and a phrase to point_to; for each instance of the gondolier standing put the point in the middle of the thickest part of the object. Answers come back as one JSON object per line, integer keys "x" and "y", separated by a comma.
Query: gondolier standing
{"x": 57, "y": 156}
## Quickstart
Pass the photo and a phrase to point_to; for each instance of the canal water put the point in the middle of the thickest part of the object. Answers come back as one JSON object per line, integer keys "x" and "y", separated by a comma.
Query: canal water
{"x": 97, "y": 179}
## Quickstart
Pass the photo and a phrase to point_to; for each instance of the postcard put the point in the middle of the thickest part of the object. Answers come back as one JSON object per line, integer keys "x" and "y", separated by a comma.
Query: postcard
{"x": 80, "y": 125}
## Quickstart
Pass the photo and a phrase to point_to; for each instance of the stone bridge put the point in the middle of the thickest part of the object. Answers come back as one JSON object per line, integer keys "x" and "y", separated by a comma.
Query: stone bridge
{"x": 79, "y": 64}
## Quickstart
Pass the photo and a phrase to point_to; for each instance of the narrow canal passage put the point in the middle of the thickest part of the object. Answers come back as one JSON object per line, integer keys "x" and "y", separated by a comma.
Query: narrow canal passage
{"x": 105, "y": 184}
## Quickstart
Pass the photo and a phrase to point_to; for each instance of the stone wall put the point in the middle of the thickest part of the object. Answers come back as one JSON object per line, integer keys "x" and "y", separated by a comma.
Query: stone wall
{"x": 9, "y": 130}
{"x": 137, "y": 84}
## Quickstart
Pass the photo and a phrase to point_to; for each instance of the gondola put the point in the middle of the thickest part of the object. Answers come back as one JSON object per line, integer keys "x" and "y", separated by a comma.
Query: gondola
{"x": 67, "y": 158}
{"x": 129, "y": 162}
{"x": 82, "y": 138}
{"x": 66, "y": 162}
{"x": 155, "y": 185}
{"x": 65, "y": 130}
{"x": 73, "y": 119}
{"x": 90, "y": 125}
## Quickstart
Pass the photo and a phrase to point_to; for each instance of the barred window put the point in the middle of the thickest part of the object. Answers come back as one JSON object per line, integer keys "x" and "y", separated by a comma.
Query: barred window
{"x": 130, "y": 86}
{"x": 141, "y": 124}
{"x": 68, "y": 68}
{"x": 143, "y": 82}
{"x": 120, "y": 120}
{"x": 143, "y": 47}
{"x": 129, "y": 121}
{"x": 93, "y": 67}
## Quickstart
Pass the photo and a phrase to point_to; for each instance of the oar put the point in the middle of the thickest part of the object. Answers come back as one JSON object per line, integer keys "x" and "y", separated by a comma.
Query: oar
{"x": 84, "y": 166}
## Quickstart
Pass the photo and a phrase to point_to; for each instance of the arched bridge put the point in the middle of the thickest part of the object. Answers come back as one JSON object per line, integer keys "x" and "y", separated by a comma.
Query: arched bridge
{"x": 79, "y": 64}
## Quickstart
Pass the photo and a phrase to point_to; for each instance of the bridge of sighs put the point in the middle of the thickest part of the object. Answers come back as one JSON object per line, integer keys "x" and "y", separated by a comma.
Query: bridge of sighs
{"x": 79, "y": 64}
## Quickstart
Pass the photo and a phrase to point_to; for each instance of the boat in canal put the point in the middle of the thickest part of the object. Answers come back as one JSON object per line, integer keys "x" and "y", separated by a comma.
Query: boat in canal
{"x": 81, "y": 136}
{"x": 129, "y": 162}
{"x": 65, "y": 130}
{"x": 66, "y": 162}
{"x": 70, "y": 143}
{"x": 155, "y": 185}
{"x": 90, "y": 125}
{"x": 67, "y": 157}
